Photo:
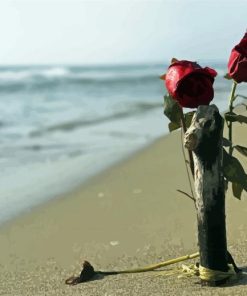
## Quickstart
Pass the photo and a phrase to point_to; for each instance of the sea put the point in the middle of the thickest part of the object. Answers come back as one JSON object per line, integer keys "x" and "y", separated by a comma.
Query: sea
{"x": 60, "y": 125}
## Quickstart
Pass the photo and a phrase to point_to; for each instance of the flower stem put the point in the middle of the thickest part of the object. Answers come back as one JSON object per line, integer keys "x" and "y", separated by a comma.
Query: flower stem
{"x": 231, "y": 100}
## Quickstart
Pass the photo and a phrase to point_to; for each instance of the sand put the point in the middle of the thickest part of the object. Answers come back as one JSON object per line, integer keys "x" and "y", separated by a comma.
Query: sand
{"x": 130, "y": 215}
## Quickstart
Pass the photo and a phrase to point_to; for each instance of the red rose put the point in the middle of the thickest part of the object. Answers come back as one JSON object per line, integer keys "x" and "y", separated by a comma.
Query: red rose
{"x": 189, "y": 83}
{"x": 237, "y": 64}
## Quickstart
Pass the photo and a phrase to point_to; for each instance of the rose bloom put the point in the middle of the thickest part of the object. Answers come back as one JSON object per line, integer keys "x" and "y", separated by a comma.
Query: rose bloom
{"x": 237, "y": 64}
{"x": 190, "y": 84}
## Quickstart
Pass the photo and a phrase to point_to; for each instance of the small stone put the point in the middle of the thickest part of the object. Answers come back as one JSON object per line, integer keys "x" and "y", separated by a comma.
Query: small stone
{"x": 137, "y": 191}
{"x": 114, "y": 243}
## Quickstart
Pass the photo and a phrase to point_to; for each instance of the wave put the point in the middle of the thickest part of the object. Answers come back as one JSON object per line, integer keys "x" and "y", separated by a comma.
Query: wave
{"x": 29, "y": 79}
{"x": 14, "y": 79}
{"x": 134, "y": 109}
{"x": 8, "y": 75}
{"x": 16, "y": 74}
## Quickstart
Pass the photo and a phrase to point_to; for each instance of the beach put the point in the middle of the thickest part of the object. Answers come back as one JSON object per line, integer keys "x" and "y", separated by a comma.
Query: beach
{"x": 128, "y": 215}
{"x": 95, "y": 189}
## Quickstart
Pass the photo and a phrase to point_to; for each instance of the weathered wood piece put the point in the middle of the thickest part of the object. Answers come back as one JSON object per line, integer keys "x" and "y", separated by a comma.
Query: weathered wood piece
{"x": 204, "y": 138}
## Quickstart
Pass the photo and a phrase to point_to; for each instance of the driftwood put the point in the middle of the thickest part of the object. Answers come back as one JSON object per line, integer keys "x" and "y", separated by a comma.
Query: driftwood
{"x": 204, "y": 138}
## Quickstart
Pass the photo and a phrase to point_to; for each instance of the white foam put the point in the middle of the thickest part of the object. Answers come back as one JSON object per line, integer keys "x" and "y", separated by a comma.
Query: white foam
{"x": 55, "y": 72}
{"x": 14, "y": 75}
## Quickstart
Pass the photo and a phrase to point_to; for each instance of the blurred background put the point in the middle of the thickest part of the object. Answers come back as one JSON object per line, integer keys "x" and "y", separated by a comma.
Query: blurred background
{"x": 80, "y": 88}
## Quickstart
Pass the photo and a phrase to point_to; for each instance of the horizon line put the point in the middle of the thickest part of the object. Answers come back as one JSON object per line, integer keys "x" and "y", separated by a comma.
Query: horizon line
{"x": 93, "y": 64}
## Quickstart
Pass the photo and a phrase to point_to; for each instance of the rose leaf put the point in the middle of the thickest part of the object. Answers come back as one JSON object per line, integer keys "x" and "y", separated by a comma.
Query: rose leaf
{"x": 172, "y": 110}
{"x": 241, "y": 149}
{"x": 233, "y": 170}
{"x": 173, "y": 126}
{"x": 226, "y": 142}
{"x": 237, "y": 190}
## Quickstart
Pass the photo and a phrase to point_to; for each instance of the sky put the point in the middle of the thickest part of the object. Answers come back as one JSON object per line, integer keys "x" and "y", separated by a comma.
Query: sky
{"x": 118, "y": 31}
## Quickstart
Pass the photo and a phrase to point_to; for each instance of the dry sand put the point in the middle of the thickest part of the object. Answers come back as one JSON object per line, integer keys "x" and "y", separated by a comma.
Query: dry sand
{"x": 128, "y": 216}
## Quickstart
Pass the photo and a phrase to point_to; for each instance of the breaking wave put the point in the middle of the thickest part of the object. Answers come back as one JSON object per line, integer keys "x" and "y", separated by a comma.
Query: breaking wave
{"x": 31, "y": 78}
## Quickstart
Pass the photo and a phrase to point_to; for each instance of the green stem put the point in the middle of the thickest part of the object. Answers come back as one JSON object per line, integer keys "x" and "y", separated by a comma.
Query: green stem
{"x": 231, "y": 100}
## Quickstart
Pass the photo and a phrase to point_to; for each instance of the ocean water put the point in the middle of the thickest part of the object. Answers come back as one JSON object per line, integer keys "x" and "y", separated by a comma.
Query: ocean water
{"x": 59, "y": 125}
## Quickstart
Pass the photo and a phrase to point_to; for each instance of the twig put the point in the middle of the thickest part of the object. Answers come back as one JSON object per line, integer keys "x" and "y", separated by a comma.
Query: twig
{"x": 241, "y": 96}
{"x": 241, "y": 118}
{"x": 189, "y": 196}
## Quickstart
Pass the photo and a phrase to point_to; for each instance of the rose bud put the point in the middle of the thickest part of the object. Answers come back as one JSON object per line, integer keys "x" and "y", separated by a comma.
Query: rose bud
{"x": 190, "y": 84}
{"x": 237, "y": 64}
